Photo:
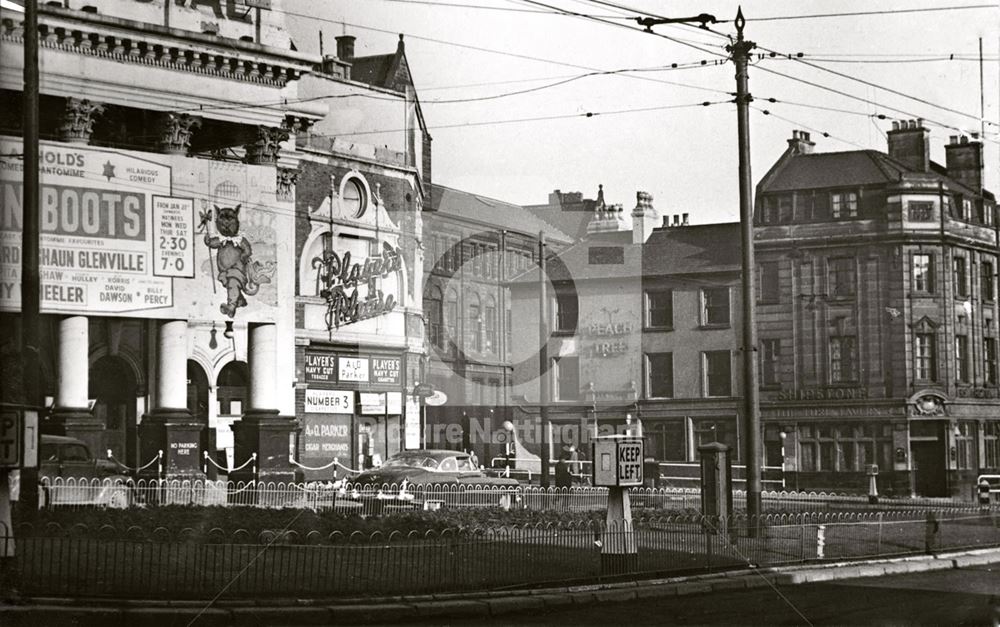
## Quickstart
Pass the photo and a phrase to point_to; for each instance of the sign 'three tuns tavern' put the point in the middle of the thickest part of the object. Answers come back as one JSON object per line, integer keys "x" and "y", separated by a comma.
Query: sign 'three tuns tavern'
{"x": 121, "y": 235}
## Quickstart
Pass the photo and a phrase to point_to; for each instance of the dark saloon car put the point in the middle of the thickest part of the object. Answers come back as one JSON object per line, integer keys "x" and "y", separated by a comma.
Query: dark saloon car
{"x": 431, "y": 479}
{"x": 69, "y": 475}
{"x": 430, "y": 467}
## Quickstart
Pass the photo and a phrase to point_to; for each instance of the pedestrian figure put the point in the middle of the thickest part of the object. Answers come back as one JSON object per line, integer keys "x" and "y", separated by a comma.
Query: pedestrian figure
{"x": 564, "y": 478}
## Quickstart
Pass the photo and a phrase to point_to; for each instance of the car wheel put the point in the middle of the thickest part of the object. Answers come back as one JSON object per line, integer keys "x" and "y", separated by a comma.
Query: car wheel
{"x": 118, "y": 499}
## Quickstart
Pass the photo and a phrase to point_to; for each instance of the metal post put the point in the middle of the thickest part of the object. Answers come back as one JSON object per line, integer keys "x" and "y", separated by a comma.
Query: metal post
{"x": 751, "y": 406}
{"x": 31, "y": 372}
{"x": 29, "y": 243}
{"x": 543, "y": 360}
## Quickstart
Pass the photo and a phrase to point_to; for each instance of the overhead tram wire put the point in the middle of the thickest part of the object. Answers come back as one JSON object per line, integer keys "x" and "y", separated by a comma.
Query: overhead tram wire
{"x": 775, "y": 18}
{"x": 804, "y": 81}
{"x": 796, "y": 57}
{"x": 682, "y": 42}
{"x": 287, "y": 102}
{"x": 480, "y": 48}
{"x": 859, "y": 98}
{"x": 867, "y": 83}
{"x": 769, "y": 113}
{"x": 948, "y": 58}
{"x": 564, "y": 116}
{"x": 665, "y": 68}
{"x": 485, "y": 7}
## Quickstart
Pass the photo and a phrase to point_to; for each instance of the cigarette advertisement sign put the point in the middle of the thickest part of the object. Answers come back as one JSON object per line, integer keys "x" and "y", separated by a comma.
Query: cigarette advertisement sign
{"x": 122, "y": 234}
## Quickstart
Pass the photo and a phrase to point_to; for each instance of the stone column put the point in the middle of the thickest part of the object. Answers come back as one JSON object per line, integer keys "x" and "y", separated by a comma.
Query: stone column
{"x": 71, "y": 415}
{"x": 176, "y": 131}
{"x": 262, "y": 430}
{"x": 264, "y": 150}
{"x": 78, "y": 120}
{"x": 170, "y": 427}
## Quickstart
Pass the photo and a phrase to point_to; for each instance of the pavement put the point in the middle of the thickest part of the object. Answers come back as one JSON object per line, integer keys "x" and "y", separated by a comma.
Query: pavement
{"x": 381, "y": 610}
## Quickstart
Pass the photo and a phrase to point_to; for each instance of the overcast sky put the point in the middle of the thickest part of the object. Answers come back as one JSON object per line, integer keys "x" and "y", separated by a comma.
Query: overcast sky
{"x": 685, "y": 157}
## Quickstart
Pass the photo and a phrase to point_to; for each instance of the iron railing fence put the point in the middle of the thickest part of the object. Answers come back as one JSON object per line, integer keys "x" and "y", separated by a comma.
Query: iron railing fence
{"x": 371, "y": 499}
{"x": 208, "y": 564}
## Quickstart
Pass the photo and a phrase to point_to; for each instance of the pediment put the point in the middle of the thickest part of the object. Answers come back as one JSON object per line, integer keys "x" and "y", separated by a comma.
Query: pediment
{"x": 925, "y": 324}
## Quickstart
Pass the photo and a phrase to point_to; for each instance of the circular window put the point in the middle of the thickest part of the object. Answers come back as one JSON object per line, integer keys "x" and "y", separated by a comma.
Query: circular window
{"x": 354, "y": 198}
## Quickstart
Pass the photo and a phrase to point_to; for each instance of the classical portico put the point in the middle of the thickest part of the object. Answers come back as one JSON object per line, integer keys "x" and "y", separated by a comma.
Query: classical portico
{"x": 174, "y": 153}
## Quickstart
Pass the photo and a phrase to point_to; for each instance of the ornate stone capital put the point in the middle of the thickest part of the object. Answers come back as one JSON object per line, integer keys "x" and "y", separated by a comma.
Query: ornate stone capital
{"x": 286, "y": 183}
{"x": 78, "y": 120}
{"x": 176, "y": 131}
{"x": 264, "y": 151}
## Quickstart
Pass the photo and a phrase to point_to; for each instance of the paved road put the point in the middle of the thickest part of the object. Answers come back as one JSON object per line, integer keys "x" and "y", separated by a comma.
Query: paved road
{"x": 969, "y": 596}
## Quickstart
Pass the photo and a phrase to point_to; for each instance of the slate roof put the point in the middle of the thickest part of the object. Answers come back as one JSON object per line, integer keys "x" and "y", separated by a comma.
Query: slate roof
{"x": 685, "y": 250}
{"x": 497, "y": 214}
{"x": 569, "y": 218}
{"x": 374, "y": 70}
{"x": 851, "y": 169}
{"x": 836, "y": 169}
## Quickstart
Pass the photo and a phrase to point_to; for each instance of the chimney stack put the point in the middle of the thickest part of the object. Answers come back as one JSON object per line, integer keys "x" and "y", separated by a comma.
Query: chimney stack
{"x": 908, "y": 144}
{"x": 345, "y": 47}
{"x": 800, "y": 144}
{"x": 964, "y": 160}
{"x": 643, "y": 217}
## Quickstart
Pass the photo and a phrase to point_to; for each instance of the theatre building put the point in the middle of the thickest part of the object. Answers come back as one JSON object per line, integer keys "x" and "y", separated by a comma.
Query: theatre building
{"x": 358, "y": 317}
{"x": 877, "y": 315}
{"x": 167, "y": 230}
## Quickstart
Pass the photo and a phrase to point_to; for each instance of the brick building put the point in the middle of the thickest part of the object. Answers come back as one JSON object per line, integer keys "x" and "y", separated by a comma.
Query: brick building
{"x": 473, "y": 245}
{"x": 361, "y": 188}
{"x": 644, "y": 324}
{"x": 877, "y": 315}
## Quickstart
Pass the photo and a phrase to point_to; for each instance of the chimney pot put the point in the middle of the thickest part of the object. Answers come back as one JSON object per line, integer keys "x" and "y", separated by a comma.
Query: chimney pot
{"x": 666, "y": 221}
{"x": 345, "y": 47}
{"x": 895, "y": 125}
{"x": 684, "y": 218}
{"x": 953, "y": 139}
{"x": 677, "y": 220}
{"x": 964, "y": 161}
{"x": 909, "y": 145}
{"x": 975, "y": 136}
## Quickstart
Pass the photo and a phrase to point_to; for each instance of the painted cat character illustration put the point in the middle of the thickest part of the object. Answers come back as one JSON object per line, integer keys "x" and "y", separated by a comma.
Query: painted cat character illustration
{"x": 237, "y": 271}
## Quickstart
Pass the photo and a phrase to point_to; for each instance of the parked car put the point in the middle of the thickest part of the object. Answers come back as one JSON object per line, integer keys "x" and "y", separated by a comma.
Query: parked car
{"x": 430, "y": 479}
{"x": 430, "y": 466}
{"x": 69, "y": 475}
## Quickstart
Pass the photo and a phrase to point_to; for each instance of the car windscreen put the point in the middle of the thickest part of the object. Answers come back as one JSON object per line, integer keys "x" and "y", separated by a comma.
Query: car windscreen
{"x": 413, "y": 461}
{"x": 74, "y": 453}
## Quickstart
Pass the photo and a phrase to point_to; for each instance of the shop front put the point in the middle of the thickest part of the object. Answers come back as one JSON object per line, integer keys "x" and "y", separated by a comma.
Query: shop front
{"x": 828, "y": 442}
{"x": 352, "y": 413}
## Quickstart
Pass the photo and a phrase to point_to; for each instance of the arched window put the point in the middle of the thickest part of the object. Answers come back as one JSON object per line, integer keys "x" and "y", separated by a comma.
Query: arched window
{"x": 451, "y": 318}
{"x": 490, "y": 320}
{"x": 475, "y": 330}
{"x": 197, "y": 391}
{"x": 434, "y": 307}
{"x": 232, "y": 388}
